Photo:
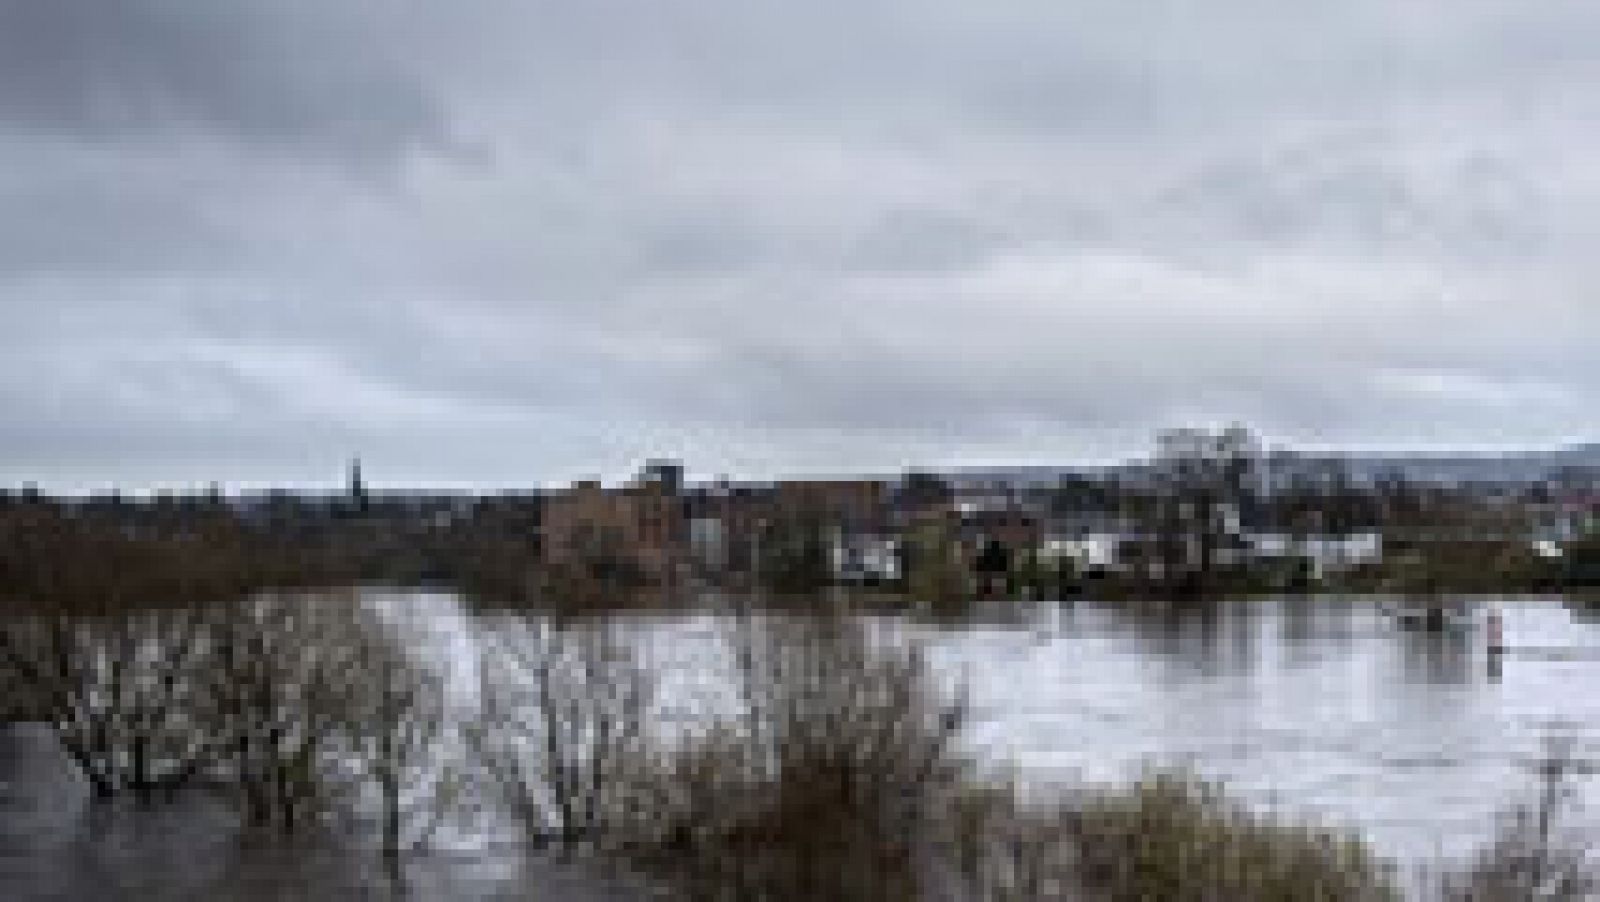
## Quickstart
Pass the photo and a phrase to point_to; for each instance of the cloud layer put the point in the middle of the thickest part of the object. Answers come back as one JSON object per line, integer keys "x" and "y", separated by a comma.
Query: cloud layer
{"x": 512, "y": 242}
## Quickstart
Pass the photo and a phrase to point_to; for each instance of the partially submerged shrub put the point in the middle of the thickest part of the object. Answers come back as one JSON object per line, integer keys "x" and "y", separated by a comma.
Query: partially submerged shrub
{"x": 392, "y": 742}
{"x": 1533, "y": 855}
{"x": 838, "y": 778}
{"x": 121, "y": 689}
{"x": 1169, "y": 836}
{"x": 1172, "y": 836}
{"x": 291, "y": 704}
{"x": 560, "y": 737}
{"x": 998, "y": 850}
{"x": 825, "y": 787}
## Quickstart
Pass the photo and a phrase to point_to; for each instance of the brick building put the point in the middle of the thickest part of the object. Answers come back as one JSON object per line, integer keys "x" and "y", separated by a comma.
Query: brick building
{"x": 638, "y": 531}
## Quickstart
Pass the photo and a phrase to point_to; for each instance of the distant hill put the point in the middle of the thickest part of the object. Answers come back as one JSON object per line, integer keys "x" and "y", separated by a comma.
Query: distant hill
{"x": 1516, "y": 468}
{"x": 1511, "y": 468}
{"x": 1585, "y": 455}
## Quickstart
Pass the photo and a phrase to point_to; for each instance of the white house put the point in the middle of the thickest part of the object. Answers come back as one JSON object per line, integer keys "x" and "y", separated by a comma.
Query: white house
{"x": 1327, "y": 554}
{"x": 1098, "y": 549}
{"x": 866, "y": 558}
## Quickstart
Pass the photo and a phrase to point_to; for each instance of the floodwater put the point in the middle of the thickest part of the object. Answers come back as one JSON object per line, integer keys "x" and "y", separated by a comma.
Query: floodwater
{"x": 55, "y": 844}
{"x": 1318, "y": 707}
{"x": 1323, "y": 707}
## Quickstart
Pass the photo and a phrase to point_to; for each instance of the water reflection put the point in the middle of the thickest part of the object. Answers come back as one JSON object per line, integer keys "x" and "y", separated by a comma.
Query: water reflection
{"x": 982, "y": 615}
{"x": 1436, "y": 657}
{"x": 1192, "y": 641}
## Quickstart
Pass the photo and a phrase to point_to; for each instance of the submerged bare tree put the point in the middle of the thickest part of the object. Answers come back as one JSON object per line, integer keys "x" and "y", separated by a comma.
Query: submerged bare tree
{"x": 250, "y": 694}
{"x": 1534, "y": 856}
{"x": 827, "y": 783}
{"x": 285, "y": 673}
{"x": 393, "y": 742}
{"x": 304, "y": 709}
{"x": 118, "y": 686}
{"x": 824, "y": 782}
{"x": 560, "y": 735}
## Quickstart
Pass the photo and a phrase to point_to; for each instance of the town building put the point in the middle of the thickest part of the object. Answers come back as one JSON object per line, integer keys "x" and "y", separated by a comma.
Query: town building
{"x": 637, "y": 531}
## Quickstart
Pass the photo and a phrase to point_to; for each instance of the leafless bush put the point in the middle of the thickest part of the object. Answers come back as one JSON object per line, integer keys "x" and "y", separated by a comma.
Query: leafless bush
{"x": 560, "y": 736}
{"x": 838, "y": 778}
{"x": 392, "y": 744}
{"x": 825, "y": 786}
{"x": 1534, "y": 856}
{"x": 265, "y": 696}
{"x": 119, "y": 687}
{"x": 283, "y": 676}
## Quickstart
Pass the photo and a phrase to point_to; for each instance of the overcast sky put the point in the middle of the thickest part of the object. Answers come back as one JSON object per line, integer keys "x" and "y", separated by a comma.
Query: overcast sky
{"x": 500, "y": 243}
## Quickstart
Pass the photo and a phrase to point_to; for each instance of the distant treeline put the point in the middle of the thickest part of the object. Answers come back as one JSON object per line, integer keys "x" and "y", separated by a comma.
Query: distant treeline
{"x": 1183, "y": 521}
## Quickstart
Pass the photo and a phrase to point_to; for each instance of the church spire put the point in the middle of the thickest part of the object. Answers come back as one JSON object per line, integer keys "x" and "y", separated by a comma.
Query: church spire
{"x": 358, "y": 489}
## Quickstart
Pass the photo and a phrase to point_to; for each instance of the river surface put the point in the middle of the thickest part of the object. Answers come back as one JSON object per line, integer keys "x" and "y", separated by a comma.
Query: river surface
{"x": 1322, "y": 707}
{"x": 1319, "y": 707}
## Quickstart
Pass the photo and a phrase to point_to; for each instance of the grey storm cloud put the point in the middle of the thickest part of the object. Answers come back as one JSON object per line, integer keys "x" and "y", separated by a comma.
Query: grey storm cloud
{"x": 505, "y": 242}
{"x": 288, "y": 74}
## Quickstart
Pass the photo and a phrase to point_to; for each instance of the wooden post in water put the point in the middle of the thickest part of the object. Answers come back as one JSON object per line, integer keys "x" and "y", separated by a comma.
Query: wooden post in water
{"x": 1494, "y": 633}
